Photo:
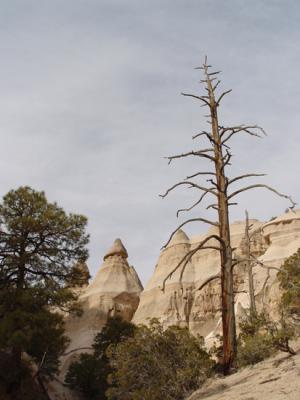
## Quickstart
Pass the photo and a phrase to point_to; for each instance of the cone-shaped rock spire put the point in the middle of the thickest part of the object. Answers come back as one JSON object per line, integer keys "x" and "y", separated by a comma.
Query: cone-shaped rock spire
{"x": 179, "y": 237}
{"x": 115, "y": 275}
{"x": 117, "y": 249}
{"x": 114, "y": 291}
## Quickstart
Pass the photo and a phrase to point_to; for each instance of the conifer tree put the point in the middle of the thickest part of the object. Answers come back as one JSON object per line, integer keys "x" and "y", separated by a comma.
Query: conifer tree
{"x": 39, "y": 244}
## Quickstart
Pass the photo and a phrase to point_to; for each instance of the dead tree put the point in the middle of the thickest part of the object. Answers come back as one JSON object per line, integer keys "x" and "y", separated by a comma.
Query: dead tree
{"x": 249, "y": 265}
{"x": 252, "y": 261}
{"x": 219, "y": 155}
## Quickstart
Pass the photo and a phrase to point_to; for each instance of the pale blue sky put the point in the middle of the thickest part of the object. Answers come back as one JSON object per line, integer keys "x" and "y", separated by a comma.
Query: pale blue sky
{"x": 90, "y": 104}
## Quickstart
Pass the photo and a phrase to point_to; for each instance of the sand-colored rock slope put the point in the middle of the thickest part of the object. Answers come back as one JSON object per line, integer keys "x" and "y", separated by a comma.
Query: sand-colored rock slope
{"x": 277, "y": 378}
{"x": 182, "y": 304}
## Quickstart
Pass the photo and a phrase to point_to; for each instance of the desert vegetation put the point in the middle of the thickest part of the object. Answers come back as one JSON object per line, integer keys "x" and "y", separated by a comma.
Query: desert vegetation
{"x": 133, "y": 362}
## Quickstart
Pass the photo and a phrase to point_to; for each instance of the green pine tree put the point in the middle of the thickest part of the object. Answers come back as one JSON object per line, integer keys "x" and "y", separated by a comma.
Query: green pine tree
{"x": 39, "y": 244}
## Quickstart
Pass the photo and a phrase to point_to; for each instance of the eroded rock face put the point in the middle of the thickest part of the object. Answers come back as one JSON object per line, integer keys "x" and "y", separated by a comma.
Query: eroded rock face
{"x": 172, "y": 305}
{"x": 114, "y": 291}
{"x": 116, "y": 288}
{"x": 183, "y": 304}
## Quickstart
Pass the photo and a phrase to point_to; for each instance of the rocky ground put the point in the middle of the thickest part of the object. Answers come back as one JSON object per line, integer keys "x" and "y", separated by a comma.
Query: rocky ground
{"x": 277, "y": 378}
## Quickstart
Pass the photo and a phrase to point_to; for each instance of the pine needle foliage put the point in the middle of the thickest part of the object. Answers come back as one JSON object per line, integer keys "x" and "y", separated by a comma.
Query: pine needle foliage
{"x": 158, "y": 364}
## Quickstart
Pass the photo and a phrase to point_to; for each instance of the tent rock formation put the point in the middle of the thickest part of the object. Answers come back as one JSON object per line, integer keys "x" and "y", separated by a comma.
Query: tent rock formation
{"x": 117, "y": 290}
{"x": 114, "y": 291}
{"x": 182, "y": 304}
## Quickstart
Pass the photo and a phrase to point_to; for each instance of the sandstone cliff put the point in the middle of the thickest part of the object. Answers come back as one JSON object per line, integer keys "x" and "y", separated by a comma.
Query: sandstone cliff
{"x": 181, "y": 303}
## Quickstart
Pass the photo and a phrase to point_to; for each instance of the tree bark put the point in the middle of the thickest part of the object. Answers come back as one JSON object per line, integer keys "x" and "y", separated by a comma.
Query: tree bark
{"x": 249, "y": 267}
{"x": 227, "y": 294}
{"x": 17, "y": 349}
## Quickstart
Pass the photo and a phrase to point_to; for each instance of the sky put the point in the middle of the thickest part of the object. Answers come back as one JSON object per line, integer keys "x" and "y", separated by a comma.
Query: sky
{"x": 90, "y": 105}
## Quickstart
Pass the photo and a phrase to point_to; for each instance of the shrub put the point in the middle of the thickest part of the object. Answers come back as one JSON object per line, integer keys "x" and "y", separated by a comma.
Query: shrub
{"x": 89, "y": 374}
{"x": 289, "y": 279}
{"x": 157, "y": 364}
{"x": 254, "y": 349}
{"x": 260, "y": 337}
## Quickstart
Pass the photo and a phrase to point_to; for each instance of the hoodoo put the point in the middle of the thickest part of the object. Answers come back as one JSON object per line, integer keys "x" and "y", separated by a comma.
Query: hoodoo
{"x": 171, "y": 306}
{"x": 114, "y": 291}
{"x": 115, "y": 276}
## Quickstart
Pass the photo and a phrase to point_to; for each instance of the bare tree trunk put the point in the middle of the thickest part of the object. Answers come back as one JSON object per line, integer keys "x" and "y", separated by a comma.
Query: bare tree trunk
{"x": 249, "y": 266}
{"x": 228, "y": 314}
{"x": 227, "y": 294}
{"x": 17, "y": 348}
{"x": 43, "y": 387}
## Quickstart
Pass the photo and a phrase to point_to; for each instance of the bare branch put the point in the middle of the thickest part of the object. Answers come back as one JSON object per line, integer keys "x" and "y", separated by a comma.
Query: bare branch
{"x": 214, "y": 206}
{"x": 236, "y": 261}
{"x": 200, "y": 153}
{"x": 77, "y": 349}
{"x": 208, "y": 280}
{"x": 207, "y": 134}
{"x": 208, "y": 79}
{"x": 201, "y": 98}
{"x": 237, "y": 178}
{"x": 206, "y": 221}
{"x": 192, "y": 206}
{"x": 190, "y": 254}
{"x": 261, "y": 264}
{"x": 216, "y": 85}
{"x": 203, "y": 133}
{"x": 213, "y": 183}
{"x": 264, "y": 287}
{"x": 222, "y": 95}
{"x": 227, "y": 158}
{"x": 200, "y": 173}
{"x": 191, "y": 184}
{"x": 214, "y": 73}
{"x": 266, "y": 187}
{"x": 249, "y": 129}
